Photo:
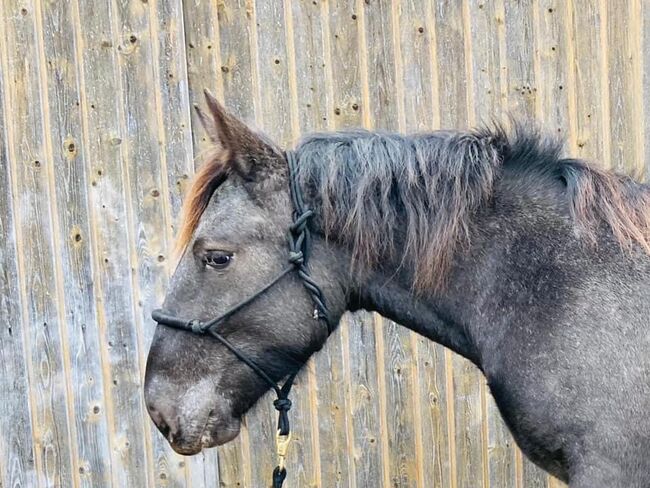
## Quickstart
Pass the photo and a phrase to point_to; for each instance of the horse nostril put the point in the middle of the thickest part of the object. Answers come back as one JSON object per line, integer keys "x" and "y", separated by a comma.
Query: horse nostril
{"x": 167, "y": 424}
{"x": 163, "y": 428}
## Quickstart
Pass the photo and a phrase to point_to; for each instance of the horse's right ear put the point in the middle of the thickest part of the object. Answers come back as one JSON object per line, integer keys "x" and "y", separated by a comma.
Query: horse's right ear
{"x": 220, "y": 126}
{"x": 243, "y": 146}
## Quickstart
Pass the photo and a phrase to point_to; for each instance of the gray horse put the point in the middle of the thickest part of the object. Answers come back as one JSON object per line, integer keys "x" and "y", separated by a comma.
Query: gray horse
{"x": 534, "y": 267}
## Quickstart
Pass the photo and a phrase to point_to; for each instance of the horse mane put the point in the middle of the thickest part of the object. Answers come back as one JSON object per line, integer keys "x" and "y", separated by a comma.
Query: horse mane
{"x": 430, "y": 186}
{"x": 383, "y": 192}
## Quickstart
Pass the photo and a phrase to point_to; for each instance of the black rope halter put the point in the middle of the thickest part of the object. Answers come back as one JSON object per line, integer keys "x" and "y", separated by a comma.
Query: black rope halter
{"x": 299, "y": 248}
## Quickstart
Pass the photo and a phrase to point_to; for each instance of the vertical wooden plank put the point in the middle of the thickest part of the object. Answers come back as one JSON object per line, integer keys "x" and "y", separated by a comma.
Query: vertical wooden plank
{"x": 380, "y": 64}
{"x": 553, "y": 75}
{"x": 520, "y": 54}
{"x": 591, "y": 139}
{"x": 311, "y": 65}
{"x": 143, "y": 169}
{"x": 17, "y": 467}
{"x": 70, "y": 185}
{"x": 31, "y": 170}
{"x": 100, "y": 91}
{"x": 272, "y": 60}
{"x": 343, "y": 41}
{"x": 168, "y": 37}
{"x": 363, "y": 402}
{"x": 400, "y": 391}
{"x": 436, "y": 403}
{"x": 417, "y": 39}
{"x": 237, "y": 65}
{"x": 203, "y": 24}
{"x": 625, "y": 85}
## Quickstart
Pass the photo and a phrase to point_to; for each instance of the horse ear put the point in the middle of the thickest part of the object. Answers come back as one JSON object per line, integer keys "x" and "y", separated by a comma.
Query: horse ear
{"x": 244, "y": 147}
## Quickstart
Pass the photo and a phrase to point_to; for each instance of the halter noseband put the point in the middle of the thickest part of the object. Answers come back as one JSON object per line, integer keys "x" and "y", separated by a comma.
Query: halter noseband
{"x": 299, "y": 247}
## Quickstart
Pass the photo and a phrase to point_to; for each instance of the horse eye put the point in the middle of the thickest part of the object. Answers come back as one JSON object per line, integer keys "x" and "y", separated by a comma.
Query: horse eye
{"x": 218, "y": 259}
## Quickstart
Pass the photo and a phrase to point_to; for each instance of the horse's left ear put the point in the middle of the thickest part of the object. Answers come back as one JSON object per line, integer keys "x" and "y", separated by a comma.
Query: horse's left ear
{"x": 246, "y": 151}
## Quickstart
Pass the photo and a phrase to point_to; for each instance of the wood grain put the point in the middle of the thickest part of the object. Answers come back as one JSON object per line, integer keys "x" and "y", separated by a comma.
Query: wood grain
{"x": 98, "y": 141}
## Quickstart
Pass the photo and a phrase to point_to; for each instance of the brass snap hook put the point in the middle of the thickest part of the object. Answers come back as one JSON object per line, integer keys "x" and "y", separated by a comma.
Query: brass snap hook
{"x": 281, "y": 446}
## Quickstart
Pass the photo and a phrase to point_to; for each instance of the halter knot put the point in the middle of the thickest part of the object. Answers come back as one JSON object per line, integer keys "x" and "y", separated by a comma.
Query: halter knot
{"x": 296, "y": 258}
{"x": 282, "y": 404}
{"x": 196, "y": 326}
{"x": 300, "y": 222}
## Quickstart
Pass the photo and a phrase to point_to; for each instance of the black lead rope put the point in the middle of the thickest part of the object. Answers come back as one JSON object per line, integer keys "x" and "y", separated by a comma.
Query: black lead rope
{"x": 299, "y": 248}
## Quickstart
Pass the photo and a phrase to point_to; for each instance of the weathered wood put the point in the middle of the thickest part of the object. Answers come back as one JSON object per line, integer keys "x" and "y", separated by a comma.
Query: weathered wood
{"x": 645, "y": 63}
{"x": 202, "y": 38}
{"x": 101, "y": 145}
{"x": 625, "y": 82}
{"x": 342, "y": 37}
{"x": 553, "y": 83}
{"x": 378, "y": 54}
{"x": 17, "y": 466}
{"x": 36, "y": 241}
{"x": 72, "y": 214}
{"x": 143, "y": 167}
{"x": 520, "y": 55}
{"x": 97, "y": 139}
{"x": 585, "y": 60}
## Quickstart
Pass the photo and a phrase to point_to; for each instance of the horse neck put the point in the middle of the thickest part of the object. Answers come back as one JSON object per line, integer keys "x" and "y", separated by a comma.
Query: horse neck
{"x": 467, "y": 315}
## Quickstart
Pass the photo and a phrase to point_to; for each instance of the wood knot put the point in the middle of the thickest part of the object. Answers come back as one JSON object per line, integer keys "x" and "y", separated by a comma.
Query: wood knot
{"x": 70, "y": 148}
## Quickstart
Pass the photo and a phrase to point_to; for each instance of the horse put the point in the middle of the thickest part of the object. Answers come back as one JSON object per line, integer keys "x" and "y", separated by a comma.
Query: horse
{"x": 533, "y": 266}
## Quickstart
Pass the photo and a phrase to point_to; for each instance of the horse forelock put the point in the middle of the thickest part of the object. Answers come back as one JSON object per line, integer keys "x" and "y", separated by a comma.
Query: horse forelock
{"x": 211, "y": 174}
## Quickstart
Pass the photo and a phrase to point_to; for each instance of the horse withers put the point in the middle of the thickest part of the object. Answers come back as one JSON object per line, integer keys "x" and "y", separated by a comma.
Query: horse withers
{"x": 534, "y": 267}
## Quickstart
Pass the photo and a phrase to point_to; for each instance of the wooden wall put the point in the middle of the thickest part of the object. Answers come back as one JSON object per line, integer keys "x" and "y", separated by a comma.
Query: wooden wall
{"x": 96, "y": 148}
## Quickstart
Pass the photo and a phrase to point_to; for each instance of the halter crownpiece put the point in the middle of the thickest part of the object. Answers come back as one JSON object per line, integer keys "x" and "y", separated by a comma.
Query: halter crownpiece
{"x": 299, "y": 248}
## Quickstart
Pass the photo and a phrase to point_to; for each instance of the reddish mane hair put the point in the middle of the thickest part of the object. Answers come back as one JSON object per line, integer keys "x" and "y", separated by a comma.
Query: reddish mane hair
{"x": 207, "y": 179}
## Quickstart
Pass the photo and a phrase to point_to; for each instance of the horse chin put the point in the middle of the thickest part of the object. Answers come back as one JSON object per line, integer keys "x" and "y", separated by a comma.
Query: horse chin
{"x": 221, "y": 433}
{"x": 222, "y": 436}
{"x": 211, "y": 437}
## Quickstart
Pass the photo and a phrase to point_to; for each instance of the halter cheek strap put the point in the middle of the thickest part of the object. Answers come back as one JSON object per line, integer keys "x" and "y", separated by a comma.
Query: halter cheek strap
{"x": 299, "y": 248}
